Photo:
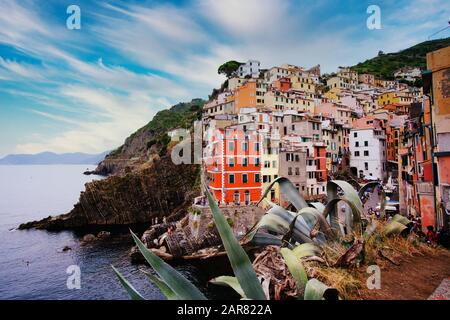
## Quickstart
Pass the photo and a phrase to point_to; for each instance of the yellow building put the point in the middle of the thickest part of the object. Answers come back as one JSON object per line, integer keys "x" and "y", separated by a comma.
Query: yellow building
{"x": 270, "y": 168}
{"x": 332, "y": 95}
{"x": 394, "y": 97}
{"x": 305, "y": 83}
{"x": 283, "y": 101}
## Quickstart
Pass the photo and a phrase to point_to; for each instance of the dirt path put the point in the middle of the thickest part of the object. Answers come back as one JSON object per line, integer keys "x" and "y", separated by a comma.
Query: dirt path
{"x": 415, "y": 278}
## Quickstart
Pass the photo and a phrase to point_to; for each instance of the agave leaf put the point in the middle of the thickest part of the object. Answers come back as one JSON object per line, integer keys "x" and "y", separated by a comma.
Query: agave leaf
{"x": 306, "y": 250}
{"x": 402, "y": 219}
{"x": 318, "y": 205}
{"x": 363, "y": 189}
{"x": 269, "y": 222}
{"x": 289, "y": 191}
{"x": 274, "y": 223}
{"x": 132, "y": 292}
{"x": 316, "y": 290}
{"x": 296, "y": 269}
{"x": 394, "y": 228}
{"x": 162, "y": 286}
{"x": 239, "y": 260}
{"x": 370, "y": 229}
{"x": 312, "y": 217}
{"x": 231, "y": 282}
{"x": 331, "y": 212}
{"x": 301, "y": 231}
{"x": 184, "y": 289}
{"x": 350, "y": 196}
{"x": 261, "y": 239}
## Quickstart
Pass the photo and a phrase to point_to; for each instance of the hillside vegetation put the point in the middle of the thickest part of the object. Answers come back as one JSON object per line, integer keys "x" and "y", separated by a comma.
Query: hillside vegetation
{"x": 385, "y": 64}
{"x": 151, "y": 139}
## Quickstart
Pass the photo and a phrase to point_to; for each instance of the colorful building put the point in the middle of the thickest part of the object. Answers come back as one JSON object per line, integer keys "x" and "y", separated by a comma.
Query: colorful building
{"x": 233, "y": 165}
{"x": 437, "y": 87}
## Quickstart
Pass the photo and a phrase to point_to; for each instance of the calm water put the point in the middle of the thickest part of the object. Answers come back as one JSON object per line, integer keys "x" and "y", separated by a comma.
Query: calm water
{"x": 32, "y": 264}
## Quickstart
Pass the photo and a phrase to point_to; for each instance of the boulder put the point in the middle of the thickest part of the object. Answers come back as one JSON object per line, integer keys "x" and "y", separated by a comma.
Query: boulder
{"x": 103, "y": 235}
{"x": 89, "y": 238}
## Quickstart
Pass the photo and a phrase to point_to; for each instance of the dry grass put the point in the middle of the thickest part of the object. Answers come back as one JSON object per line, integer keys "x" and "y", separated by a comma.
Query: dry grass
{"x": 341, "y": 279}
{"x": 348, "y": 280}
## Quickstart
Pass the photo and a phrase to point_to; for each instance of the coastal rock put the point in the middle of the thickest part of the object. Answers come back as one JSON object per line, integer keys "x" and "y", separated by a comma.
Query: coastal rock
{"x": 135, "y": 198}
{"x": 136, "y": 256}
{"x": 89, "y": 238}
{"x": 103, "y": 235}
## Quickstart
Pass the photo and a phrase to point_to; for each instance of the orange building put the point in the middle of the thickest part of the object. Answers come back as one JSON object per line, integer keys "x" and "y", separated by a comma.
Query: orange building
{"x": 234, "y": 166}
{"x": 282, "y": 84}
{"x": 245, "y": 96}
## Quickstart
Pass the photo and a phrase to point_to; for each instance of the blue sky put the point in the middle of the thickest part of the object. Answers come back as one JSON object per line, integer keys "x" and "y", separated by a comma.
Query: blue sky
{"x": 86, "y": 90}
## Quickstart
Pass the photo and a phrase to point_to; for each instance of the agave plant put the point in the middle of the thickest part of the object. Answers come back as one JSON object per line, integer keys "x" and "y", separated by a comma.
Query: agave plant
{"x": 301, "y": 232}
{"x": 174, "y": 286}
{"x": 308, "y": 289}
{"x": 310, "y": 223}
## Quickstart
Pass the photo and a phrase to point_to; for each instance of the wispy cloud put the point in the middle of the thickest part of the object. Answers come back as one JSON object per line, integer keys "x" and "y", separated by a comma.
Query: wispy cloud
{"x": 93, "y": 87}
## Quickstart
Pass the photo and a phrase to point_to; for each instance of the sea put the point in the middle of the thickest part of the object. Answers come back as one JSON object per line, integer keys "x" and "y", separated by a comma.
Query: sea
{"x": 33, "y": 264}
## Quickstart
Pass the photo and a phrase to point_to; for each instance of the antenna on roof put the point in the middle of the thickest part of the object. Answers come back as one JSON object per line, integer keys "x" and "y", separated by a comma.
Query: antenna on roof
{"x": 447, "y": 27}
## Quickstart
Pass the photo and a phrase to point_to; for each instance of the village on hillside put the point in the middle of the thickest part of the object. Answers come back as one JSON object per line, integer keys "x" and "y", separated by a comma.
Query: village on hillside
{"x": 288, "y": 121}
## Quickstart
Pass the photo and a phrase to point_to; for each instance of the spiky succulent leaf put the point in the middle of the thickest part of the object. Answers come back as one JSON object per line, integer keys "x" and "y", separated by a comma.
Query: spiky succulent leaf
{"x": 393, "y": 228}
{"x": 288, "y": 190}
{"x": 231, "y": 282}
{"x": 132, "y": 292}
{"x": 296, "y": 269}
{"x": 239, "y": 260}
{"x": 182, "y": 287}
{"x": 317, "y": 290}
{"x": 162, "y": 286}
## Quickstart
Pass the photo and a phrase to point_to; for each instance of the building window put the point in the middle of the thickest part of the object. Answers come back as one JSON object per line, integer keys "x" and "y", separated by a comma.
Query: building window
{"x": 231, "y": 178}
{"x": 257, "y": 162}
{"x": 356, "y": 153}
{"x": 231, "y": 162}
{"x": 290, "y": 171}
{"x": 366, "y": 143}
{"x": 257, "y": 146}
{"x": 245, "y": 162}
{"x": 266, "y": 164}
{"x": 355, "y": 134}
{"x": 244, "y": 178}
{"x": 244, "y": 146}
{"x": 274, "y": 164}
{"x": 231, "y": 146}
{"x": 366, "y": 166}
{"x": 366, "y": 153}
{"x": 297, "y": 171}
{"x": 257, "y": 177}
{"x": 357, "y": 144}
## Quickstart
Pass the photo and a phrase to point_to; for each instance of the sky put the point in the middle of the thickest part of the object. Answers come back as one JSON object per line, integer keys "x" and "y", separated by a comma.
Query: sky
{"x": 87, "y": 89}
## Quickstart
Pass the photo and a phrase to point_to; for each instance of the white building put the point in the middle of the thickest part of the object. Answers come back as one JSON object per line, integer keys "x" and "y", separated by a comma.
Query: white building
{"x": 409, "y": 74}
{"x": 250, "y": 68}
{"x": 367, "y": 144}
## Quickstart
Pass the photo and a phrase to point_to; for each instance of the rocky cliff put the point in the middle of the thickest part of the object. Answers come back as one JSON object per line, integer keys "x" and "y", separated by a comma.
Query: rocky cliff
{"x": 143, "y": 182}
{"x": 151, "y": 140}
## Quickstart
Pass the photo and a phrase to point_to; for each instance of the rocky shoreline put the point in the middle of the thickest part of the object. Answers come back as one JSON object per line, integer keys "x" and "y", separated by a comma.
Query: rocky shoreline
{"x": 137, "y": 197}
